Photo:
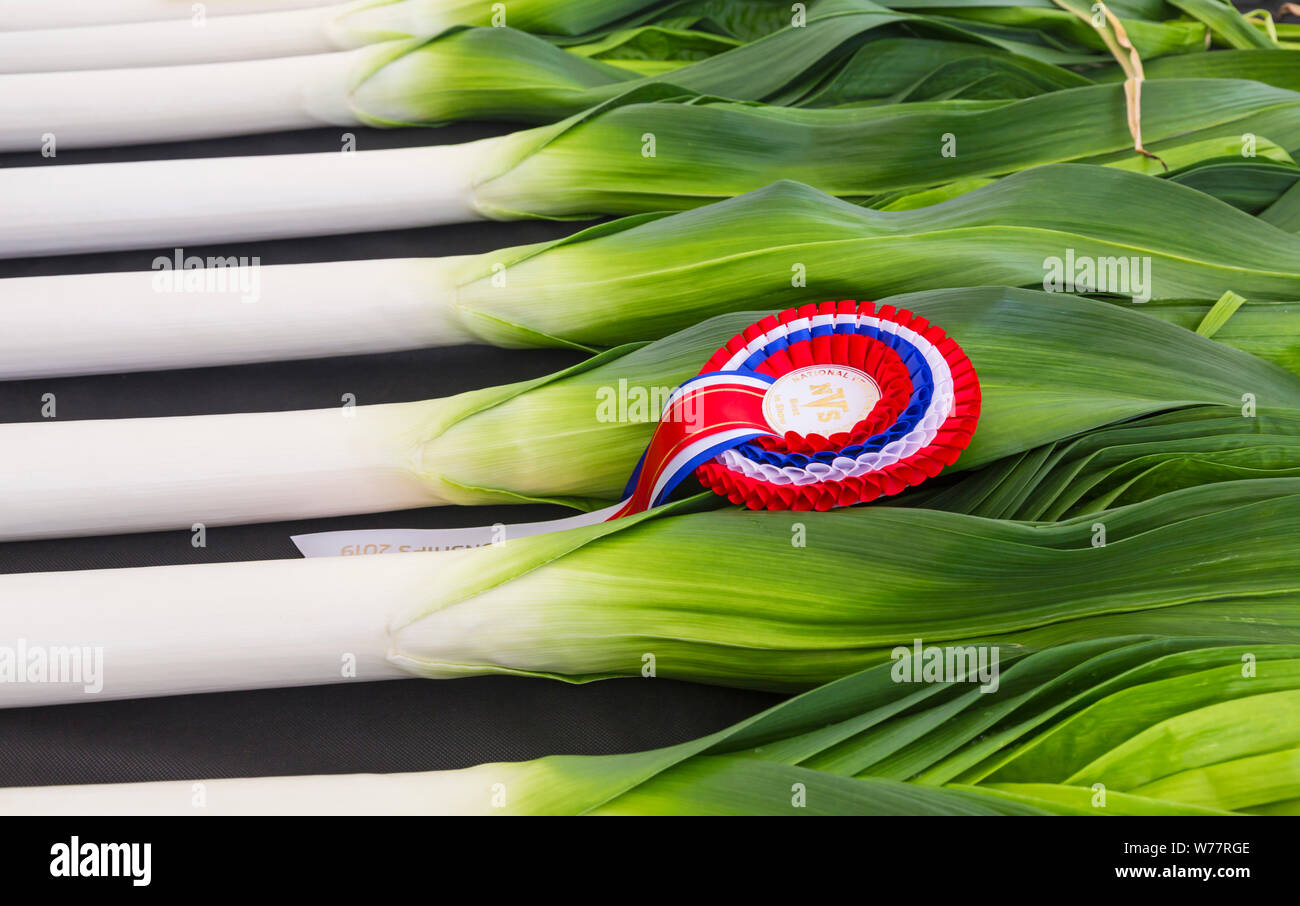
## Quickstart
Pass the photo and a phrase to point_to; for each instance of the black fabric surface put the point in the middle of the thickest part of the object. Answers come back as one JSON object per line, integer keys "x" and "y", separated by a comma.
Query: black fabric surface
{"x": 403, "y": 725}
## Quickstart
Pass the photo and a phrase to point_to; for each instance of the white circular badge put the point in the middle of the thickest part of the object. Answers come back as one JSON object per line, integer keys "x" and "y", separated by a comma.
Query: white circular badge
{"x": 820, "y": 399}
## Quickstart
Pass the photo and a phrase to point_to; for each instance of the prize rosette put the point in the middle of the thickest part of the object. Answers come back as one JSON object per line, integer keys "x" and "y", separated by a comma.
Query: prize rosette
{"x": 818, "y": 407}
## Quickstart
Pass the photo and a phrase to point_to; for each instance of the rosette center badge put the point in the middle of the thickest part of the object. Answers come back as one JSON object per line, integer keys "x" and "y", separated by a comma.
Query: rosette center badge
{"x": 821, "y": 399}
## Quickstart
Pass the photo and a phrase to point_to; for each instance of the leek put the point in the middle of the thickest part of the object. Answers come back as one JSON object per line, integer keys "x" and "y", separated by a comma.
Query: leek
{"x": 463, "y": 73}
{"x": 283, "y": 30}
{"x": 32, "y": 14}
{"x": 643, "y": 277}
{"x": 659, "y": 590}
{"x": 629, "y": 156}
{"x": 1051, "y": 365}
{"x": 175, "y": 41}
{"x": 1115, "y": 726}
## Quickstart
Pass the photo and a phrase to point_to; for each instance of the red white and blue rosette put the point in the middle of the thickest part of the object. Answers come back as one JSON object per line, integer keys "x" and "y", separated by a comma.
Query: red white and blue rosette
{"x": 818, "y": 407}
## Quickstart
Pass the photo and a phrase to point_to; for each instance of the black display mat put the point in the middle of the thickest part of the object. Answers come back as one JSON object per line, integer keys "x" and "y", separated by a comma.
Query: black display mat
{"x": 404, "y": 725}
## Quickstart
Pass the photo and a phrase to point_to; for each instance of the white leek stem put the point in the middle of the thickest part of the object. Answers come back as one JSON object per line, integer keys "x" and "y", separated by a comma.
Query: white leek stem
{"x": 25, "y": 14}
{"x": 174, "y": 42}
{"x": 62, "y": 478}
{"x": 101, "y": 207}
{"x": 109, "y": 323}
{"x": 174, "y": 103}
{"x": 468, "y": 791}
{"x": 167, "y": 630}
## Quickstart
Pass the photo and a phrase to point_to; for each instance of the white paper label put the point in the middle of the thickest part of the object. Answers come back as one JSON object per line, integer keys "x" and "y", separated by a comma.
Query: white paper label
{"x": 405, "y": 541}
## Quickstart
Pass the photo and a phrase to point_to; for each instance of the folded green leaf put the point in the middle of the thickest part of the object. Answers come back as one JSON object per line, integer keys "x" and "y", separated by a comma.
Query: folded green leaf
{"x": 1253, "y": 185}
{"x": 722, "y": 785}
{"x": 1226, "y": 23}
{"x": 508, "y": 74}
{"x": 1262, "y": 329}
{"x": 1284, "y": 212}
{"x": 1280, "y": 68}
{"x": 1217, "y": 316}
{"x": 1126, "y": 463}
{"x": 1254, "y": 782}
{"x": 909, "y": 69}
{"x": 1151, "y": 37}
